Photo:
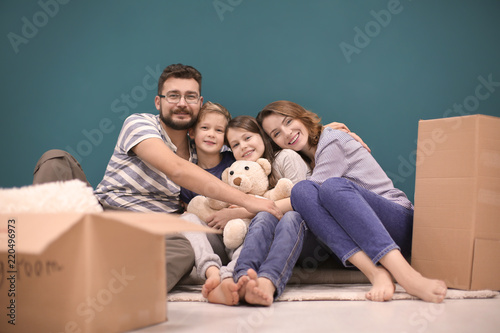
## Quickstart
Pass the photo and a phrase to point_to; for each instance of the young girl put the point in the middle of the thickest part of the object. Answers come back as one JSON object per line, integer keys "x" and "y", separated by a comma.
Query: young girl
{"x": 271, "y": 249}
{"x": 349, "y": 203}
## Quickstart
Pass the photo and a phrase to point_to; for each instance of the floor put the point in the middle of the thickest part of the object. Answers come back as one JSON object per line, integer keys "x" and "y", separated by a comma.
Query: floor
{"x": 473, "y": 315}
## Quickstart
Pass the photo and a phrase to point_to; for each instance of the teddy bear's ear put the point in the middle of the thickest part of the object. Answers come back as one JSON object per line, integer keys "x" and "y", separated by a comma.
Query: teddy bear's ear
{"x": 264, "y": 164}
{"x": 224, "y": 175}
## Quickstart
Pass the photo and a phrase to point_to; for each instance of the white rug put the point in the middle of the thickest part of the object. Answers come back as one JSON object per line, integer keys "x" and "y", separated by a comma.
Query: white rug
{"x": 326, "y": 292}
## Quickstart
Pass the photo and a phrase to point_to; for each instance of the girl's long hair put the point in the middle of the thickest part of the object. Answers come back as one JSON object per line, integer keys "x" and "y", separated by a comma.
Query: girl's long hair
{"x": 248, "y": 123}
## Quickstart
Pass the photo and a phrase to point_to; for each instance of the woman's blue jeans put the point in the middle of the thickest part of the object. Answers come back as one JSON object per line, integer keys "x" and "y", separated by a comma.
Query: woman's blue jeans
{"x": 349, "y": 218}
{"x": 272, "y": 248}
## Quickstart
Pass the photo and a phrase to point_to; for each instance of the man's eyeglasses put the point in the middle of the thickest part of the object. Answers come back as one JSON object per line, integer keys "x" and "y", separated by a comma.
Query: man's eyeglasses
{"x": 176, "y": 98}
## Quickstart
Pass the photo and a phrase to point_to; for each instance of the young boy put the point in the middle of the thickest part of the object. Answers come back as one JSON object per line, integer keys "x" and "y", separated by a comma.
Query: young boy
{"x": 208, "y": 134}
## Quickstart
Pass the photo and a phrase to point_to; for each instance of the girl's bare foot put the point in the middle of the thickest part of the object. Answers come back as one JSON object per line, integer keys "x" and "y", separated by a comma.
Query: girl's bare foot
{"x": 259, "y": 291}
{"x": 241, "y": 286}
{"x": 225, "y": 293}
{"x": 382, "y": 286}
{"x": 213, "y": 280}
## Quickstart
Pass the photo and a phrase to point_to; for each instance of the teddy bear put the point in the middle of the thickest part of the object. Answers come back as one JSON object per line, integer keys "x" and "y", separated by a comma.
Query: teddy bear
{"x": 249, "y": 177}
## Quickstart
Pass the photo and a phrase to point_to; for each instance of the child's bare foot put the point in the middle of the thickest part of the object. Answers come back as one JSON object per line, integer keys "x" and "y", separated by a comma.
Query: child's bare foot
{"x": 259, "y": 291}
{"x": 241, "y": 287}
{"x": 225, "y": 293}
{"x": 213, "y": 280}
{"x": 426, "y": 289}
{"x": 382, "y": 286}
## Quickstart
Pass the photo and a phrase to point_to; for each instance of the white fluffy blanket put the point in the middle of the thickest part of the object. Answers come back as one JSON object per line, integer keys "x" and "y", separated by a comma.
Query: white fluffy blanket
{"x": 56, "y": 197}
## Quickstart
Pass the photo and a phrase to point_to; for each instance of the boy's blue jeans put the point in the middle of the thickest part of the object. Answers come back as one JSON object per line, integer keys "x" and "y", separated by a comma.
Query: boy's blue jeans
{"x": 349, "y": 218}
{"x": 272, "y": 248}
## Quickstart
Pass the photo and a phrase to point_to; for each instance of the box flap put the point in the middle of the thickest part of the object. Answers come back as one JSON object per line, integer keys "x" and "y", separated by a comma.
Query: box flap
{"x": 34, "y": 232}
{"x": 157, "y": 223}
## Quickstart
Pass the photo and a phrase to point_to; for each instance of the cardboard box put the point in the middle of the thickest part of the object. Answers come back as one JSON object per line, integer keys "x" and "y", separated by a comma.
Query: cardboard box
{"x": 456, "y": 234}
{"x": 102, "y": 272}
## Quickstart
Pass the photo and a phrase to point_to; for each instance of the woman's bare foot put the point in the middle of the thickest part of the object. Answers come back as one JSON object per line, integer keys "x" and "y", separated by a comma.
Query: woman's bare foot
{"x": 412, "y": 281}
{"x": 225, "y": 293}
{"x": 213, "y": 280}
{"x": 382, "y": 286}
{"x": 381, "y": 280}
{"x": 259, "y": 291}
{"x": 426, "y": 289}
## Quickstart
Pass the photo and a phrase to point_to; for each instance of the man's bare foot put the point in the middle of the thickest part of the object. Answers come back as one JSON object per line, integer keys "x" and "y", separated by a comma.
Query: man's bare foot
{"x": 426, "y": 289}
{"x": 259, "y": 291}
{"x": 225, "y": 293}
{"x": 213, "y": 280}
{"x": 382, "y": 286}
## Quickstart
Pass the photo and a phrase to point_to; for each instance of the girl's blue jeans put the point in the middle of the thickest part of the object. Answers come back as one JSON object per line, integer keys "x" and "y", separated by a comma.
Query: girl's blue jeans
{"x": 272, "y": 248}
{"x": 349, "y": 218}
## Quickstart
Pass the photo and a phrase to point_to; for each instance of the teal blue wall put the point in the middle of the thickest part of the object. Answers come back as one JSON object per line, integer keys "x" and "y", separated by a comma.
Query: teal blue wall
{"x": 67, "y": 70}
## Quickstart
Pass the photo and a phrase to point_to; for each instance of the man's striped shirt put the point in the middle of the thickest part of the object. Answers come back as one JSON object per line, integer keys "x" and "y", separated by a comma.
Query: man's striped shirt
{"x": 131, "y": 183}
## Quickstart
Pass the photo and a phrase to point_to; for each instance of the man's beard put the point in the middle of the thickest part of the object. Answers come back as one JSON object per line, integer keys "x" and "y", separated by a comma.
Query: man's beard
{"x": 179, "y": 124}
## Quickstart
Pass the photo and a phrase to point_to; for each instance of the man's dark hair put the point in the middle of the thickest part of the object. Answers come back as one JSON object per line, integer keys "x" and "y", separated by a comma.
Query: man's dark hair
{"x": 179, "y": 71}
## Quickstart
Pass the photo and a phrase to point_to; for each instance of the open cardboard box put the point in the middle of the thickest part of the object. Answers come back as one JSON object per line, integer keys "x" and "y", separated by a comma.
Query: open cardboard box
{"x": 101, "y": 272}
{"x": 456, "y": 234}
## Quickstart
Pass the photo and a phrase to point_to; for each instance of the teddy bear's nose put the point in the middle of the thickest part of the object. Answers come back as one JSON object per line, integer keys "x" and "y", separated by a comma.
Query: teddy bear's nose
{"x": 237, "y": 181}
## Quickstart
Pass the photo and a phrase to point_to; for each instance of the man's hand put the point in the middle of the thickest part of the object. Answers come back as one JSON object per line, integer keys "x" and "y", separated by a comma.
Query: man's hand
{"x": 357, "y": 138}
{"x": 255, "y": 205}
{"x": 343, "y": 127}
{"x": 338, "y": 126}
